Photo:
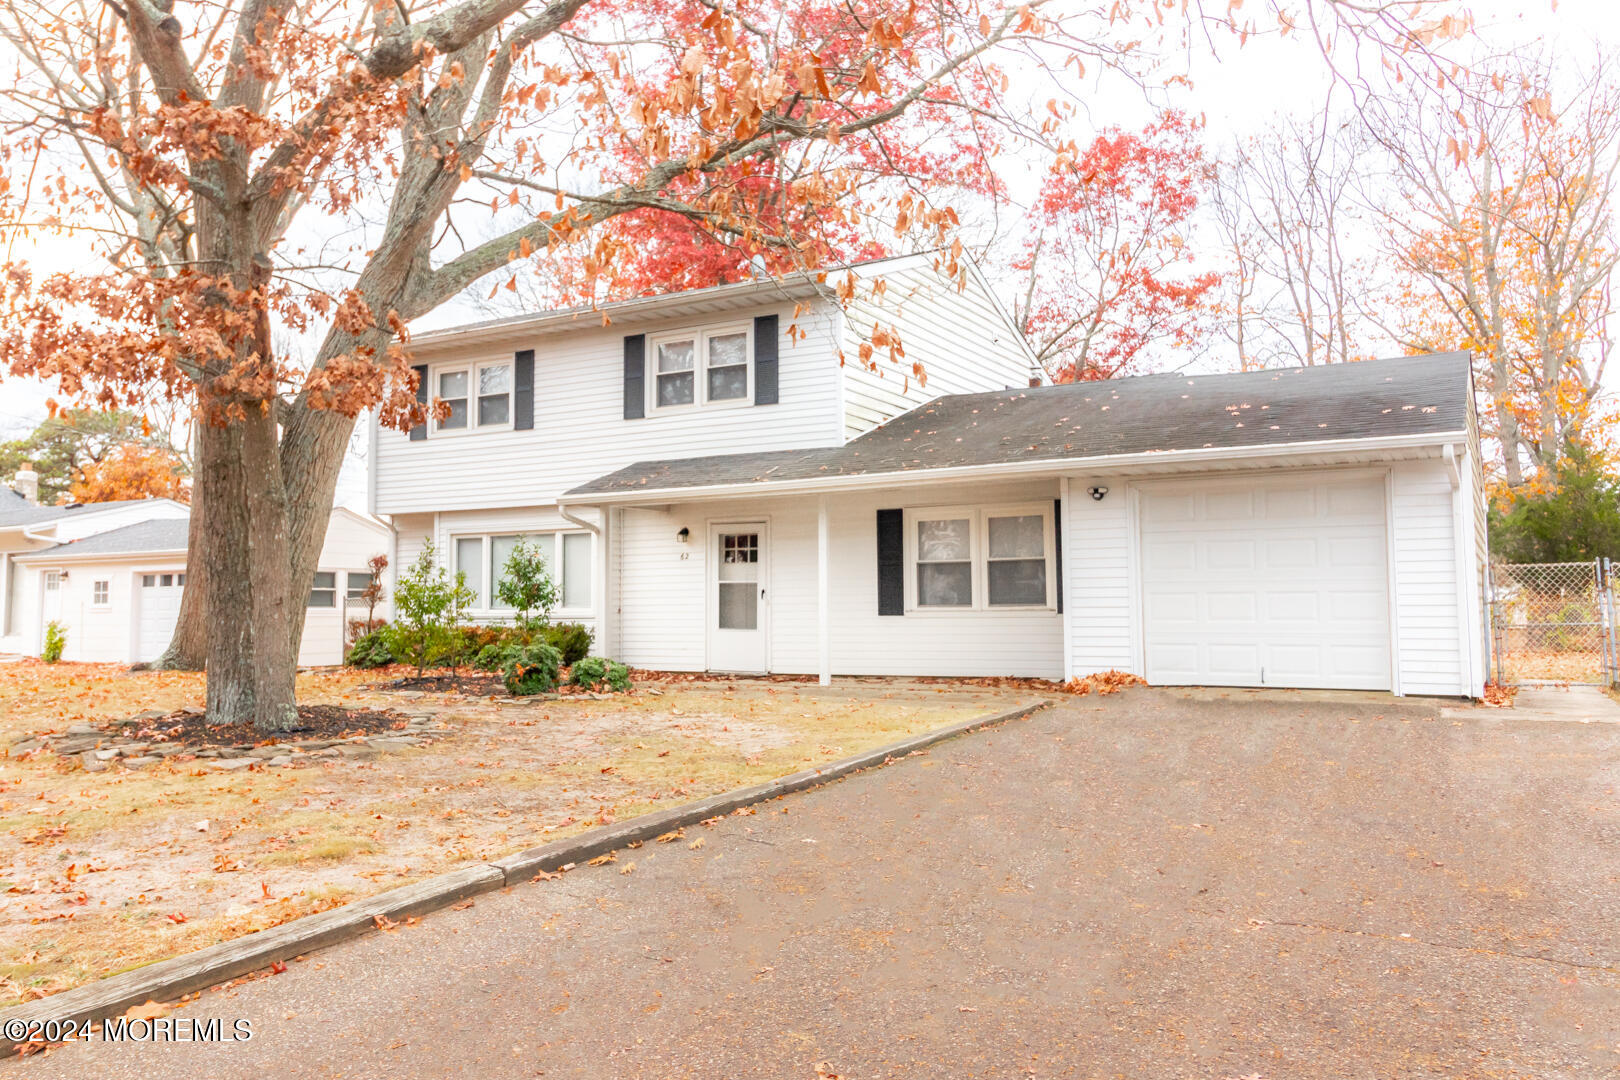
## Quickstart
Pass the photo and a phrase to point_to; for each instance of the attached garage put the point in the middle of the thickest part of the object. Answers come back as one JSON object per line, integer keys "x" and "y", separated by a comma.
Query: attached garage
{"x": 1274, "y": 582}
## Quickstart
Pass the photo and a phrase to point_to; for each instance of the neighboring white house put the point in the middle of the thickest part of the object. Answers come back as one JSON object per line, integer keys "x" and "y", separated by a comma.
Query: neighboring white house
{"x": 721, "y": 485}
{"x": 114, "y": 582}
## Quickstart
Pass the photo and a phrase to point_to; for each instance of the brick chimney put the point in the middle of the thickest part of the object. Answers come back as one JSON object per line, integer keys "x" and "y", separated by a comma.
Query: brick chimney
{"x": 27, "y": 482}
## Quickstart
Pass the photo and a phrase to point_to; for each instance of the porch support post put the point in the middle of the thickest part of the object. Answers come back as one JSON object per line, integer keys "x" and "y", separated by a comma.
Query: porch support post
{"x": 1067, "y": 577}
{"x": 823, "y": 601}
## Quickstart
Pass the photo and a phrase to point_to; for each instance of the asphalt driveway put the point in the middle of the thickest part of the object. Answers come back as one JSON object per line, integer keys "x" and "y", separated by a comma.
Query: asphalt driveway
{"x": 1147, "y": 885}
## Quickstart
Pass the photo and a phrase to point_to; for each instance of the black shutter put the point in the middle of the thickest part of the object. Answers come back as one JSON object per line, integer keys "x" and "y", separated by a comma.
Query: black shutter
{"x": 635, "y": 376}
{"x": 1057, "y": 548}
{"x": 523, "y": 390}
{"x": 420, "y": 430}
{"x": 765, "y": 361}
{"x": 891, "y": 562}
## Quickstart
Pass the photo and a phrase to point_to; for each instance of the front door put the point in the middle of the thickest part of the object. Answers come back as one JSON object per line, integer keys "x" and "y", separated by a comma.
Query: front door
{"x": 737, "y": 601}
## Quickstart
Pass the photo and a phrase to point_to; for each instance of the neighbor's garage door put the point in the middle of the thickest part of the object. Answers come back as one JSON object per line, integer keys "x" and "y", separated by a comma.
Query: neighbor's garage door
{"x": 159, "y": 608}
{"x": 1266, "y": 583}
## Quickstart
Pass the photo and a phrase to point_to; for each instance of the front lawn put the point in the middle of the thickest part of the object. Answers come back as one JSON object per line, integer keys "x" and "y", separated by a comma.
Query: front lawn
{"x": 105, "y": 871}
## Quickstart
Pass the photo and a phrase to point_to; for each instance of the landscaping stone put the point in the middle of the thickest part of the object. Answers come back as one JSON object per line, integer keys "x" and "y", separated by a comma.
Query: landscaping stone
{"x": 104, "y": 755}
{"x": 232, "y": 763}
{"x": 25, "y": 744}
{"x": 266, "y": 752}
{"x": 92, "y": 763}
{"x": 75, "y": 744}
{"x": 358, "y": 751}
{"x": 282, "y": 759}
{"x": 140, "y": 762}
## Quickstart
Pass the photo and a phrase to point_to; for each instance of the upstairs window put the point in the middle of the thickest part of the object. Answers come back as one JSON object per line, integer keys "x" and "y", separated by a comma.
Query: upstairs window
{"x": 479, "y": 396}
{"x": 727, "y": 359}
{"x": 710, "y": 367}
{"x": 677, "y": 384}
{"x": 453, "y": 392}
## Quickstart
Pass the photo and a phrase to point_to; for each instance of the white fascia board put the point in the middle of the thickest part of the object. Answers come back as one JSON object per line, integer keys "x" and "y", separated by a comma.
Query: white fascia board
{"x": 1005, "y": 470}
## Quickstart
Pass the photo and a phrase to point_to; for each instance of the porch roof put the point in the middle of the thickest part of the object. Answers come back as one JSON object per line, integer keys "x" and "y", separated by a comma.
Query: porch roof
{"x": 1378, "y": 403}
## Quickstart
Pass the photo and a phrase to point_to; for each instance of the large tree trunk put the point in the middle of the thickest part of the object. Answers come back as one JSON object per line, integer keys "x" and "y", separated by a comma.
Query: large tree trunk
{"x": 247, "y": 558}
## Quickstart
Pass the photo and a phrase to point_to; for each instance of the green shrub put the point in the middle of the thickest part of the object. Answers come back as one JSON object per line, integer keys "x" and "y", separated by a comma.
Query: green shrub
{"x": 55, "y": 642}
{"x": 427, "y": 608}
{"x": 572, "y": 640}
{"x": 370, "y": 651}
{"x": 476, "y": 639}
{"x": 595, "y": 671}
{"x": 531, "y": 669}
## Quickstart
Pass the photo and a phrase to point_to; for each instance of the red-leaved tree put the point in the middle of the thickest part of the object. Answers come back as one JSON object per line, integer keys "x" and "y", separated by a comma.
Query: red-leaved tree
{"x": 1110, "y": 271}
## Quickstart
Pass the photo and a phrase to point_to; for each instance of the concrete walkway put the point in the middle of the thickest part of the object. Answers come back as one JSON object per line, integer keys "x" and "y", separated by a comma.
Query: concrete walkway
{"x": 1579, "y": 704}
{"x": 1142, "y": 885}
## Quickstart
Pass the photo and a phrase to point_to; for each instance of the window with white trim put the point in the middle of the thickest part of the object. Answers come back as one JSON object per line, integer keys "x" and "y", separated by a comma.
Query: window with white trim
{"x": 479, "y": 397}
{"x": 100, "y": 593}
{"x": 979, "y": 558}
{"x": 708, "y": 367}
{"x": 356, "y": 584}
{"x": 568, "y": 558}
{"x": 323, "y": 594}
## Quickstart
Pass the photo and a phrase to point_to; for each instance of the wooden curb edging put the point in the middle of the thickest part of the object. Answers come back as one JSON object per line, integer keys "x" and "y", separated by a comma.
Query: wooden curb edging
{"x": 167, "y": 980}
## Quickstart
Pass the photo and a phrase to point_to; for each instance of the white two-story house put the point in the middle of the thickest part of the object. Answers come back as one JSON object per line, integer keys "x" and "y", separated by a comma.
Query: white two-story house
{"x": 720, "y": 483}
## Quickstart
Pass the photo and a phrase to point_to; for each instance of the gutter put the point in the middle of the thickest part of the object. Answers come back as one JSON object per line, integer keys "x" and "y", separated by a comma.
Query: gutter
{"x": 1041, "y": 467}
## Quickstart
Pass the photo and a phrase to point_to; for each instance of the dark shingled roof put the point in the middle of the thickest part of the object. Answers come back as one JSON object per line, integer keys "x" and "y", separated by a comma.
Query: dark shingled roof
{"x": 158, "y": 535}
{"x": 1419, "y": 395}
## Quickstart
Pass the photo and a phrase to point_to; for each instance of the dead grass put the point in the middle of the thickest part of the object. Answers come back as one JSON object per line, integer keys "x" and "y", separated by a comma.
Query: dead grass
{"x": 101, "y": 872}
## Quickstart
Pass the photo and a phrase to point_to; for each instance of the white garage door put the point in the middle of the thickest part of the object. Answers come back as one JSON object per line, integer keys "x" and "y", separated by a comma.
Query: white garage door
{"x": 1266, "y": 583}
{"x": 158, "y": 610}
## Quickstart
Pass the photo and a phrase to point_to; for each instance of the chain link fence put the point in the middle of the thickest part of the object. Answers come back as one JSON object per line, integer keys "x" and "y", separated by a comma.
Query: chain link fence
{"x": 1553, "y": 623}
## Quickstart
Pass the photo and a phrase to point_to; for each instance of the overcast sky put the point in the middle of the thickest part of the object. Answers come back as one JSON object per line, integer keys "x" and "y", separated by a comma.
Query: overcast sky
{"x": 1237, "y": 92}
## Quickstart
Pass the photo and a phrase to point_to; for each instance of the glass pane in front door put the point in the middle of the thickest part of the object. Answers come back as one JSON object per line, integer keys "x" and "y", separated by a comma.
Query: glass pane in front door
{"x": 739, "y": 581}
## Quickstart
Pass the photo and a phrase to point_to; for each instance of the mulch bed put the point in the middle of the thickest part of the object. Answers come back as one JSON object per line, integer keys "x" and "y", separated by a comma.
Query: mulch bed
{"x": 187, "y": 728}
{"x": 475, "y": 684}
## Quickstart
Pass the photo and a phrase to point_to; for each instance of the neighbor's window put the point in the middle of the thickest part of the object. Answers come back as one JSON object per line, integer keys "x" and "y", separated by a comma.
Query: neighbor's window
{"x": 945, "y": 562}
{"x": 567, "y": 556}
{"x": 100, "y": 593}
{"x": 324, "y": 591}
{"x": 675, "y": 378}
{"x": 981, "y": 558}
{"x": 357, "y": 584}
{"x": 711, "y": 367}
{"x": 1015, "y": 560}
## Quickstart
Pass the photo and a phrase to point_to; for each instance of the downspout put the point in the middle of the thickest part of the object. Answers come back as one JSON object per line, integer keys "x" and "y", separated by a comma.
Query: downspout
{"x": 598, "y": 572}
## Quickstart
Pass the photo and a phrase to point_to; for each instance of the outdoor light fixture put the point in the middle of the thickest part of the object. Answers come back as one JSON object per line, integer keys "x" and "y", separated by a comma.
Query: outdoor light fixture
{"x": 684, "y": 535}
{"x": 1097, "y": 492}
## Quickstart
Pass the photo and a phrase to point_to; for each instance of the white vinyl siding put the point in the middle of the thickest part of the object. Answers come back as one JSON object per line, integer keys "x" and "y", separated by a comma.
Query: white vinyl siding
{"x": 1426, "y": 599}
{"x": 1098, "y": 541}
{"x": 579, "y": 428}
{"x": 960, "y": 337}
